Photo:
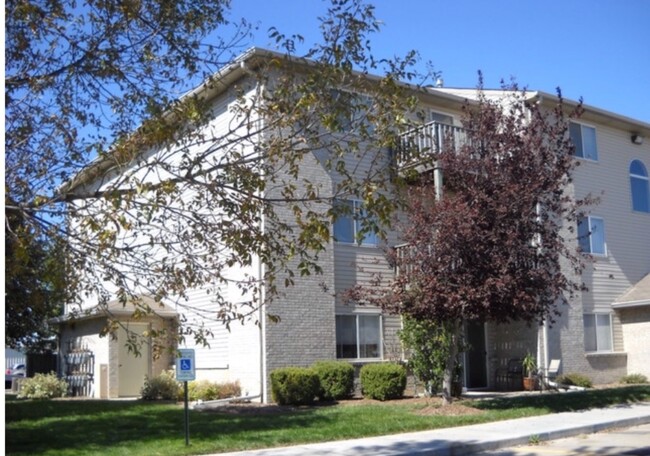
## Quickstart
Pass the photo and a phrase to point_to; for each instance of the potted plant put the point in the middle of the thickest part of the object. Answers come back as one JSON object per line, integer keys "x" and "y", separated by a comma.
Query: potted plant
{"x": 529, "y": 365}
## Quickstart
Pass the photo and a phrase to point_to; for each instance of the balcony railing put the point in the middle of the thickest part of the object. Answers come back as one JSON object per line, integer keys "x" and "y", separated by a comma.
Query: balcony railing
{"x": 418, "y": 145}
{"x": 406, "y": 258}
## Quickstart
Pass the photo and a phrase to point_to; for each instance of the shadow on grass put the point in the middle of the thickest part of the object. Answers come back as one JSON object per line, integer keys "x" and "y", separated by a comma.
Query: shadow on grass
{"x": 76, "y": 427}
{"x": 34, "y": 427}
{"x": 570, "y": 401}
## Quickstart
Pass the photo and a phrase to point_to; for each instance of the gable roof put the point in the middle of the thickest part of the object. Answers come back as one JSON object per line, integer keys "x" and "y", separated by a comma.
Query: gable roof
{"x": 591, "y": 113}
{"x": 252, "y": 59}
{"x": 241, "y": 67}
{"x": 117, "y": 309}
{"x": 638, "y": 295}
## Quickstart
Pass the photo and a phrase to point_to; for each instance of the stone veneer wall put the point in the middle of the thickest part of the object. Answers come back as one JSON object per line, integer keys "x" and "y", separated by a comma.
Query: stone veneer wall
{"x": 636, "y": 338}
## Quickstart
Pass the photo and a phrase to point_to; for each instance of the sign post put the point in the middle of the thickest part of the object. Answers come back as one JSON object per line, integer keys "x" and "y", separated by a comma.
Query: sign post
{"x": 185, "y": 372}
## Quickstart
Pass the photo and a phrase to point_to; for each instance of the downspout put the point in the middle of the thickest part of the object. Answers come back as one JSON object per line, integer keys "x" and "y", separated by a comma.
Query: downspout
{"x": 545, "y": 321}
{"x": 260, "y": 267}
{"x": 261, "y": 312}
{"x": 262, "y": 341}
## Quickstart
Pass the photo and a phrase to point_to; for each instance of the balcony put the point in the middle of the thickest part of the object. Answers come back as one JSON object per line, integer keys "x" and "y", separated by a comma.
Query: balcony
{"x": 419, "y": 146}
{"x": 409, "y": 258}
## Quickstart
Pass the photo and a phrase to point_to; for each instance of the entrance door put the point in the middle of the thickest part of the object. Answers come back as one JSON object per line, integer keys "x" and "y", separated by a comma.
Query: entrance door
{"x": 476, "y": 356}
{"x": 132, "y": 369}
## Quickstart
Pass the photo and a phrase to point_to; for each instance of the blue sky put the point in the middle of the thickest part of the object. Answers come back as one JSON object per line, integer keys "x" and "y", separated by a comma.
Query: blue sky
{"x": 595, "y": 49}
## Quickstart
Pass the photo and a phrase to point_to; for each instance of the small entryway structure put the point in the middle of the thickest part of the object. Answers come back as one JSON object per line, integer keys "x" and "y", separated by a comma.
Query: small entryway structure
{"x": 105, "y": 365}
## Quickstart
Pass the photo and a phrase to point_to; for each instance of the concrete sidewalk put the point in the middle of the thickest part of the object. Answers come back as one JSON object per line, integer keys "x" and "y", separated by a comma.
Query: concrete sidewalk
{"x": 476, "y": 438}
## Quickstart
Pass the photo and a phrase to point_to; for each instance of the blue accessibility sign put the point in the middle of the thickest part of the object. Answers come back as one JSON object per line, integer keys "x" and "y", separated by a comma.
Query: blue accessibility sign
{"x": 185, "y": 365}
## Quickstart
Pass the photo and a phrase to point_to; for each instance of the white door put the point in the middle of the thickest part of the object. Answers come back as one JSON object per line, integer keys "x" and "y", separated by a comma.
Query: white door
{"x": 132, "y": 369}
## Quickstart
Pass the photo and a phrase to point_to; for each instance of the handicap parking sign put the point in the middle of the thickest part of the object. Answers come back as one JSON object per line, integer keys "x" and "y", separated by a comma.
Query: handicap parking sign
{"x": 185, "y": 365}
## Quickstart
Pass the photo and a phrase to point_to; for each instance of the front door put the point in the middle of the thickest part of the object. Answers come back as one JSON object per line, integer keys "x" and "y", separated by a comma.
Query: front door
{"x": 475, "y": 356}
{"x": 132, "y": 369}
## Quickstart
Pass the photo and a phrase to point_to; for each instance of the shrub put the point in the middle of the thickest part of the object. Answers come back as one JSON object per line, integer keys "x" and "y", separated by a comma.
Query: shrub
{"x": 428, "y": 346}
{"x": 574, "y": 379}
{"x": 383, "y": 381}
{"x": 202, "y": 389}
{"x": 161, "y": 387}
{"x": 229, "y": 389}
{"x": 294, "y": 385}
{"x": 634, "y": 379}
{"x": 43, "y": 386}
{"x": 336, "y": 379}
{"x": 206, "y": 390}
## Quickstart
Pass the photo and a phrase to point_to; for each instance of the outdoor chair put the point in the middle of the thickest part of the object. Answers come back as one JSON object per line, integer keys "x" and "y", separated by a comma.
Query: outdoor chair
{"x": 509, "y": 378}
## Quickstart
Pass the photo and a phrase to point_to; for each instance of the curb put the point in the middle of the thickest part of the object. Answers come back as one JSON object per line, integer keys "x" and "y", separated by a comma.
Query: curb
{"x": 472, "y": 439}
{"x": 461, "y": 448}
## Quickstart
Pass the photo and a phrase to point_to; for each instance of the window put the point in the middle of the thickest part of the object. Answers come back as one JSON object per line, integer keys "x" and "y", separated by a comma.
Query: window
{"x": 584, "y": 140}
{"x": 639, "y": 187}
{"x": 348, "y": 225}
{"x": 358, "y": 336}
{"x": 442, "y": 118}
{"x": 598, "y": 332}
{"x": 591, "y": 235}
{"x": 349, "y": 111}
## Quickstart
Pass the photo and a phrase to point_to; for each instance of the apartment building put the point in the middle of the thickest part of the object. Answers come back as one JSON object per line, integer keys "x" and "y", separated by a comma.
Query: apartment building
{"x": 603, "y": 334}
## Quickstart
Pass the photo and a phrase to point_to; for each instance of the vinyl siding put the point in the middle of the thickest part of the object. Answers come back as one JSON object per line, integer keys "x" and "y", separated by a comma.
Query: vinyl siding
{"x": 627, "y": 236}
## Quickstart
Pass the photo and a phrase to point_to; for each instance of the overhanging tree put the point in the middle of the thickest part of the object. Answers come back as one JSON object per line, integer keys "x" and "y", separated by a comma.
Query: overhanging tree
{"x": 498, "y": 245}
{"x": 34, "y": 286}
{"x": 102, "y": 154}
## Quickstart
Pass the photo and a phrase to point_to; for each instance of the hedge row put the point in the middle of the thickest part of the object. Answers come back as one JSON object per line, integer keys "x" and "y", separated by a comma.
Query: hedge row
{"x": 166, "y": 387}
{"x": 332, "y": 380}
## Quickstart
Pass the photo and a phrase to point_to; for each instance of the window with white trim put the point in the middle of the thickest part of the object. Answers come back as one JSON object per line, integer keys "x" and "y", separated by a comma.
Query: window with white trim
{"x": 348, "y": 226}
{"x": 591, "y": 235}
{"x": 584, "y": 140}
{"x": 598, "y": 332}
{"x": 441, "y": 118}
{"x": 639, "y": 187}
{"x": 358, "y": 336}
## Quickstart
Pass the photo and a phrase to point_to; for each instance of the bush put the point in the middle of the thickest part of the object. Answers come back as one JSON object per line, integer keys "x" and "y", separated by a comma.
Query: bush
{"x": 428, "y": 346}
{"x": 634, "y": 379}
{"x": 336, "y": 379}
{"x": 383, "y": 381}
{"x": 202, "y": 389}
{"x": 162, "y": 387}
{"x": 574, "y": 379}
{"x": 43, "y": 386}
{"x": 229, "y": 389}
{"x": 294, "y": 385}
{"x": 206, "y": 390}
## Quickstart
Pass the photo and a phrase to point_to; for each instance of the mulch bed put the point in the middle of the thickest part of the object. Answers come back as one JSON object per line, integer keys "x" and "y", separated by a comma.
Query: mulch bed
{"x": 424, "y": 406}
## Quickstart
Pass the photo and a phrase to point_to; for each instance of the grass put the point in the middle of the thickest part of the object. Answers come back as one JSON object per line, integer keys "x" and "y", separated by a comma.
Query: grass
{"x": 79, "y": 427}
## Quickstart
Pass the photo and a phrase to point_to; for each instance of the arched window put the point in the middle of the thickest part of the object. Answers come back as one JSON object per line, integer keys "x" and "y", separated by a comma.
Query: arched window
{"x": 639, "y": 186}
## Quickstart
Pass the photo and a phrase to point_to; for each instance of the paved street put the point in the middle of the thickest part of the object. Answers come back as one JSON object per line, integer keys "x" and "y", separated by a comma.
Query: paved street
{"x": 633, "y": 441}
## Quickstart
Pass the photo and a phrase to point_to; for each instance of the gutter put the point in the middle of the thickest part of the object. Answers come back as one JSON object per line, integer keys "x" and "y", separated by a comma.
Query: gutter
{"x": 630, "y": 304}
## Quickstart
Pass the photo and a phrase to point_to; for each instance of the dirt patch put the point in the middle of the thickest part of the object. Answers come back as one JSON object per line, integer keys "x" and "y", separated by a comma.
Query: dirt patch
{"x": 449, "y": 410}
{"x": 422, "y": 406}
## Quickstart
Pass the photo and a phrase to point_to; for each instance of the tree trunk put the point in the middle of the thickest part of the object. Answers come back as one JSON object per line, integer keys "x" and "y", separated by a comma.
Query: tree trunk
{"x": 454, "y": 338}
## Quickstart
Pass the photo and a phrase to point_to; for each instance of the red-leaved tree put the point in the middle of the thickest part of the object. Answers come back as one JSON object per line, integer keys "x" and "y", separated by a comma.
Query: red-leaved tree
{"x": 495, "y": 246}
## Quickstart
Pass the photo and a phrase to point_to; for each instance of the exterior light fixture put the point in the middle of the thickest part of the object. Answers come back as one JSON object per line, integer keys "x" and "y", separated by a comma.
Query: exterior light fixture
{"x": 637, "y": 139}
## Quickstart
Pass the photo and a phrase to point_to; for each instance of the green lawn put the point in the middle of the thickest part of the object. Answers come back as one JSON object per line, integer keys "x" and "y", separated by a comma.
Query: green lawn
{"x": 79, "y": 427}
